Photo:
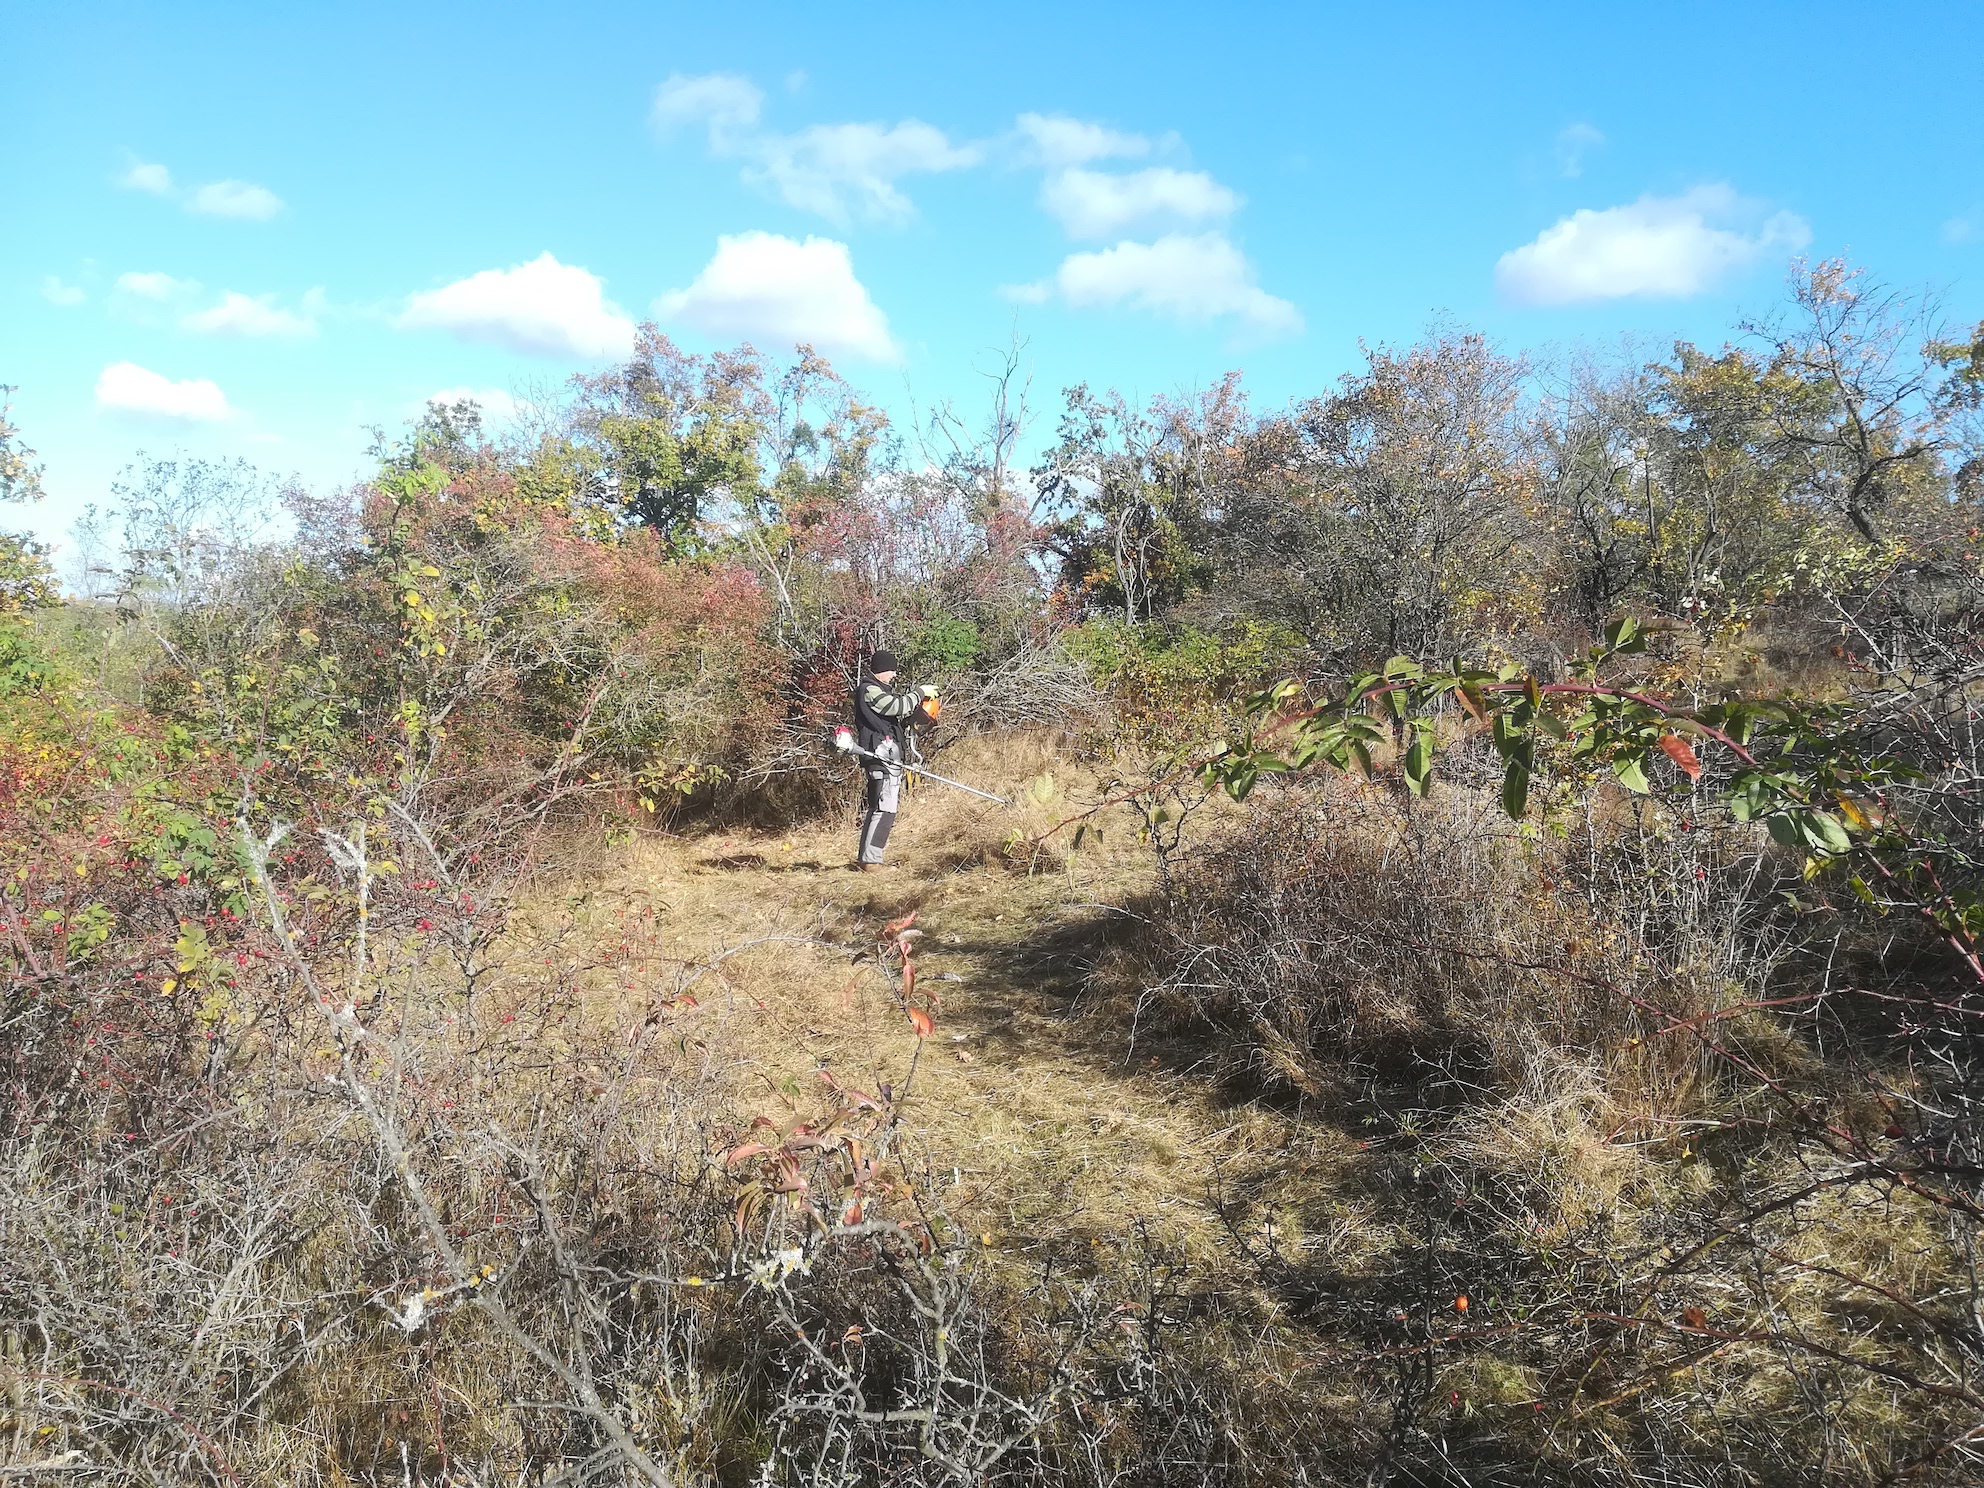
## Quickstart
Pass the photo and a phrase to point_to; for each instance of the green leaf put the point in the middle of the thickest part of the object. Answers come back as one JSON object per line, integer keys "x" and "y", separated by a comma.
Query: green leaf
{"x": 1784, "y": 830}
{"x": 1631, "y": 770}
{"x": 1419, "y": 765}
{"x": 1624, "y": 634}
{"x": 1515, "y": 789}
{"x": 1823, "y": 831}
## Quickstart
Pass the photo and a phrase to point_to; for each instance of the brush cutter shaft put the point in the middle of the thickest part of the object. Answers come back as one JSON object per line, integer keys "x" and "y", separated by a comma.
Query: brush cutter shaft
{"x": 916, "y": 768}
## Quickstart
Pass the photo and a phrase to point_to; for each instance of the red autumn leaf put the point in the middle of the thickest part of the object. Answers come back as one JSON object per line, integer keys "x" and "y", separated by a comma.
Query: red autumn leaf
{"x": 922, "y": 1022}
{"x": 1694, "y": 1317}
{"x": 1682, "y": 753}
{"x": 897, "y": 926}
{"x": 738, "y": 1154}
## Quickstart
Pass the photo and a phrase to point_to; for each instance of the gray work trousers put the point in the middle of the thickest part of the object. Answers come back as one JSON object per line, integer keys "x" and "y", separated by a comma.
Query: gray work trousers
{"x": 884, "y": 793}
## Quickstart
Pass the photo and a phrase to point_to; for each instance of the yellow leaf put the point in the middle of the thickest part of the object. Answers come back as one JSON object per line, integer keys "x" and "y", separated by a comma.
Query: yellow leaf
{"x": 168, "y": 985}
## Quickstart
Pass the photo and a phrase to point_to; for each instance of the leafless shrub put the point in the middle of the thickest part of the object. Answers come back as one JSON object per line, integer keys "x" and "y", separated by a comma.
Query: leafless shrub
{"x": 1037, "y": 686}
{"x": 1356, "y": 937}
{"x": 1634, "y": 1171}
{"x": 412, "y": 1208}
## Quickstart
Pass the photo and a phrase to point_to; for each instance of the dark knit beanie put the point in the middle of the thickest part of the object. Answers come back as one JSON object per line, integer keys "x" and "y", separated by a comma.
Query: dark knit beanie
{"x": 882, "y": 661}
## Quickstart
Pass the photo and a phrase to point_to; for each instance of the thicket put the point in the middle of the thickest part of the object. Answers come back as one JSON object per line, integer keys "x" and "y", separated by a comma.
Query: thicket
{"x": 1611, "y": 865}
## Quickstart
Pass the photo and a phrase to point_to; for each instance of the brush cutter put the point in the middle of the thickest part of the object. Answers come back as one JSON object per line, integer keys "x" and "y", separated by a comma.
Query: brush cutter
{"x": 844, "y": 742}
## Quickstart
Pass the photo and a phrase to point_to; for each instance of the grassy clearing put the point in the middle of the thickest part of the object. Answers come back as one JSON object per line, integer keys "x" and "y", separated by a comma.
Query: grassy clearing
{"x": 1042, "y": 1137}
{"x": 1263, "y": 1098}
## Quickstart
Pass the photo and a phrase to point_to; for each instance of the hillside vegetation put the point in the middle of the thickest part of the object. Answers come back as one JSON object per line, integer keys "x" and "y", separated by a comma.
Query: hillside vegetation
{"x": 1477, "y": 982}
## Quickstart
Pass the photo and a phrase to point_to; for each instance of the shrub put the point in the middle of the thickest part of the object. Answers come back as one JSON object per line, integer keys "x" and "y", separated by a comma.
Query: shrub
{"x": 1616, "y": 1139}
{"x": 1173, "y": 687}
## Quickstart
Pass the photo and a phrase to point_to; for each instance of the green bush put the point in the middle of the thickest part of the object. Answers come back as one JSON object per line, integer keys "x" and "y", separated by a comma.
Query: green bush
{"x": 944, "y": 645}
{"x": 1174, "y": 685}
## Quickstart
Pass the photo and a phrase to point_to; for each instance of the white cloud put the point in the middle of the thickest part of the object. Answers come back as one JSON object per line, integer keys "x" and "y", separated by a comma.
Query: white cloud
{"x": 153, "y": 286}
{"x": 1962, "y": 228}
{"x": 1574, "y": 142}
{"x": 235, "y": 199}
{"x": 722, "y": 102}
{"x": 1656, "y": 248}
{"x": 56, "y": 292}
{"x": 1193, "y": 279}
{"x": 125, "y": 387}
{"x": 1056, "y": 140}
{"x": 496, "y": 405}
{"x": 249, "y": 315}
{"x": 155, "y": 179}
{"x": 843, "y": 170}
{"x": 1094, "y": 204}
{"x": 760, "y": 286}
{"x": 543, "y": 307}
{"x": 1027, "y": 294}
{"x": 838, "y": 171}
{"x": 238, "y": 199}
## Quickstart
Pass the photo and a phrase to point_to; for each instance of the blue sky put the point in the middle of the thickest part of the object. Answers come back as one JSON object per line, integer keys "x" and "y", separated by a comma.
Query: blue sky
{"x": 258, "y": 230}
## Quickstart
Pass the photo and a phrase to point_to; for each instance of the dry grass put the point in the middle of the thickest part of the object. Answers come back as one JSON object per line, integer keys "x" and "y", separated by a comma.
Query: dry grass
{"x": 1353, "y": 1064}
{"x": 1043, "y": 1139}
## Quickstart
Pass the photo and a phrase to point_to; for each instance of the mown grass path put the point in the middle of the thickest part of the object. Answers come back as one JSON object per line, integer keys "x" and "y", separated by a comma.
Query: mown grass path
{"x": 1039, "y": 1126}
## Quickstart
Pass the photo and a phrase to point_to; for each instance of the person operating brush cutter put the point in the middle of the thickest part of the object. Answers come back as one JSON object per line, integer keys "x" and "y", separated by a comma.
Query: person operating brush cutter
{"x": 884, "y": 718}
